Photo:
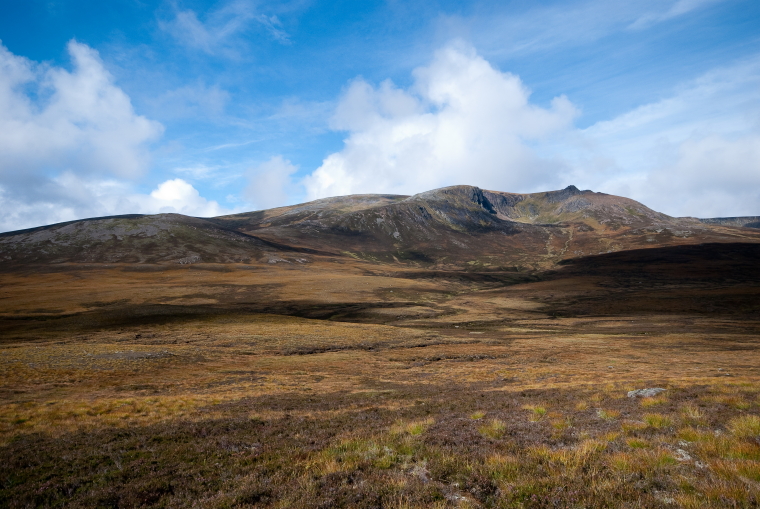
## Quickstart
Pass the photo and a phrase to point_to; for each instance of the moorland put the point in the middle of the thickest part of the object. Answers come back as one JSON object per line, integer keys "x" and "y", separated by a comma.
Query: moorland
{"x": 457, "y": 348}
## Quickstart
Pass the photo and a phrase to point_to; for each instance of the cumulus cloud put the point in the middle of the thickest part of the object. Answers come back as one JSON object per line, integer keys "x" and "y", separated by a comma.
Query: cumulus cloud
{"x": 695, "y": 153}
{"x": 68, "y": 197}
{"x": 462, "y": 121}
{"x": 270, "y": 183}
{"x": 77, "y": 119}
{"x": 71, "y": 146}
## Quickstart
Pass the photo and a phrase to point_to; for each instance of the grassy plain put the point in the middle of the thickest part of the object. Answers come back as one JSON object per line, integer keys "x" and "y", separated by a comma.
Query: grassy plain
{"x": 350, "y": 384}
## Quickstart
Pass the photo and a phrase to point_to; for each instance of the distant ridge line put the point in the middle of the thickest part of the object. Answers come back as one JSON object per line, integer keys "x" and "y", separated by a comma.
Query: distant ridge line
{"x": 741, "y": 221}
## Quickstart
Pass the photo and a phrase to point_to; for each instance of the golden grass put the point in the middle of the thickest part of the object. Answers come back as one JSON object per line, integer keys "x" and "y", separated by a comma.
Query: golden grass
{"x": 324, "y": 402}
{"x": 608, "y": 415}
{"x": 537, "y": 412}
{"x": 658, "y": 420}
{"x": 746, "y": 426}
{"x": 495, "y": 428}
{"x": 413, "y": 428}
{"x": 650, "y": 402}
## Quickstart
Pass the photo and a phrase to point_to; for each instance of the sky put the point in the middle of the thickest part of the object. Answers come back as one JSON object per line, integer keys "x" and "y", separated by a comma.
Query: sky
{"x": 215, "y": 107}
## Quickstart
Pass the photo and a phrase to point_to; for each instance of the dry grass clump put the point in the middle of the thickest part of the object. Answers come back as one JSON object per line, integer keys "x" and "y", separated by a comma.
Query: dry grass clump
{"x": 560, "y": 423}
{"x": 655, "y": 401}
{"x": 494, "y": 429}
{"x": 637, "y": 443}
{"x": 692, "y": 414}
{"x": 477, "y": 415}
{"x": 537, "y": 412}
{"x": 632, "y": 427}
{"x": 581, "y": 406}
{"x": 746, "y": 426}
{"x": 413, "y": 428}
{"x": 658, "y": 420}
{"x": 608, "y": 415}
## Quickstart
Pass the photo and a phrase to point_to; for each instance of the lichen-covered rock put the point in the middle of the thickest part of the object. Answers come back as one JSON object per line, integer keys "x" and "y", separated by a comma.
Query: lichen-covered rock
{"x": 645, "y": 393}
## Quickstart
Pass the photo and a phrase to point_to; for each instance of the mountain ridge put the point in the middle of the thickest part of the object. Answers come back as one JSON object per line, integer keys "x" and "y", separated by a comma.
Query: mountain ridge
{"x": 456, "y": 226}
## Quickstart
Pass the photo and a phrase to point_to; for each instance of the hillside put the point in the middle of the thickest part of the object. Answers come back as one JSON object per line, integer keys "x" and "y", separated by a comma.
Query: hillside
{"x": 456, "y": 348}
{"x": 459, "y": 226}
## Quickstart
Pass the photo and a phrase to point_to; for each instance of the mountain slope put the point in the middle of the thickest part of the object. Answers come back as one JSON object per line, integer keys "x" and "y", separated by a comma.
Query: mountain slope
{"x": 458, "y": 226}
{"x": 739, "y": 222}
{"x": 161, "y": 238}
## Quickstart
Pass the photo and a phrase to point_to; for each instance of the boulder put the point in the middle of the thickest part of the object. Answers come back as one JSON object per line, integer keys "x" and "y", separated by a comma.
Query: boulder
{"x": 645, "y": 393}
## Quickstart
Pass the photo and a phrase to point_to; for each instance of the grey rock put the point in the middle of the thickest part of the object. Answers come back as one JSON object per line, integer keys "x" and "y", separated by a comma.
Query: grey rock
{"x": 645, "y": 393}
{"x": 682, "y": 455}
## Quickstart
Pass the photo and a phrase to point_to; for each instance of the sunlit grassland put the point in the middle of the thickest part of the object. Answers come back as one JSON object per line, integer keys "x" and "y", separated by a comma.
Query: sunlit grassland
{"x": 289, "y": 412}
{"x": 484, "y": 403}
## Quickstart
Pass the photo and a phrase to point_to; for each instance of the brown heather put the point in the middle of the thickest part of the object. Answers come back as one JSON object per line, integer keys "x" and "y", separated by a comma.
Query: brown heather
{"x": 348, "y": 383}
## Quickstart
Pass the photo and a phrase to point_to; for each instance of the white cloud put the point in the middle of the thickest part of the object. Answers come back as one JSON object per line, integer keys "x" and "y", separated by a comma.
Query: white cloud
{"x": 461, "y": 122}
{"x": 270, "y": 183}
{"x": 53, "y": 119}
{"x": 695, "y": 153}
{"x": 70, "y": 141}
{"x": 69, "y": 197}
{"x": 178, "y": 196}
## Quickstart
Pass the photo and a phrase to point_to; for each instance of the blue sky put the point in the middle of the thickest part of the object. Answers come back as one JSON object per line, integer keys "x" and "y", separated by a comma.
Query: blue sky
{"x": 207, "y": 108}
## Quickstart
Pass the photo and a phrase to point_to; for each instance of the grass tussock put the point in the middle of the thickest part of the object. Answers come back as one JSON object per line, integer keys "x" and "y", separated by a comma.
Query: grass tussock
{"x": 608, "y": 415}
{"x": 537, "y": 412}
{"x": 495, "y": 428}
{"x": 746, "y": 426}
{"x": 658, "y": 420}
{"x": 413, "y": 428}
{"x": 656, "y": 401}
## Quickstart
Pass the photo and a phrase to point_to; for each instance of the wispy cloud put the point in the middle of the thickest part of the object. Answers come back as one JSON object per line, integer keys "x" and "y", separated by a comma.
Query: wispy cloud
{"x": 676, "y": 9}
{"x": 196, "y": 100}
{"x": 508, "y": 32}
{"x": 221, "y": 30}
{"x": 696, "y": 152}
{"x": 270, "y": 184}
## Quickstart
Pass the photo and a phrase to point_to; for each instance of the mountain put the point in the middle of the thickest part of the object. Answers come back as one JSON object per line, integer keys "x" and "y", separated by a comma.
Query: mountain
{"x": 741, "y": 222}
{"x": 454, "y": 227}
